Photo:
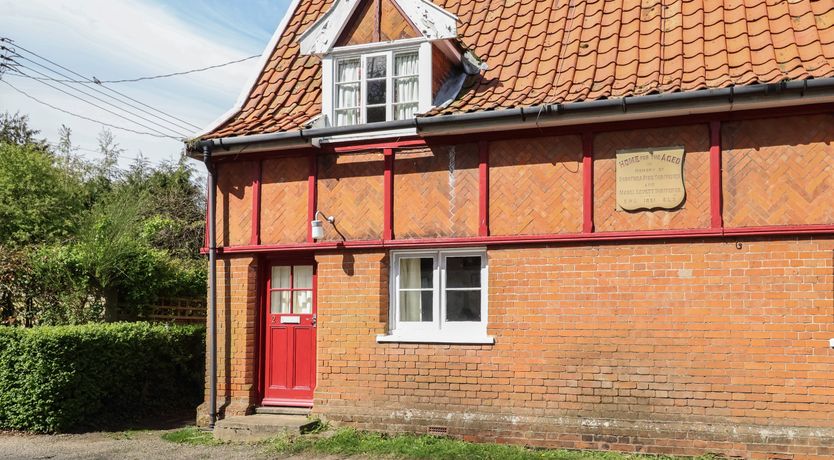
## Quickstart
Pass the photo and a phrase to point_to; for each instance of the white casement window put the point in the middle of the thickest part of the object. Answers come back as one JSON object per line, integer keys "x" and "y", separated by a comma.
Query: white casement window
{"x": 374, "y": 87}
{"x": 438, "y": 296}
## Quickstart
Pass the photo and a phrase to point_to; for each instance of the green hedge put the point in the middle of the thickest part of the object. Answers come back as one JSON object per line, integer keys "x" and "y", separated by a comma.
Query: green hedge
{"x": 70, "y": 378}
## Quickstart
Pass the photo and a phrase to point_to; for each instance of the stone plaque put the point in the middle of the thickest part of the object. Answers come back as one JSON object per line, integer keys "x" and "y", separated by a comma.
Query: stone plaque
{"x": 650, "y": 178}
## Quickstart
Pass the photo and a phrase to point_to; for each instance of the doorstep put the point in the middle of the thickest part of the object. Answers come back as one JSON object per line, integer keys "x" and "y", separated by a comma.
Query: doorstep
{"x": 258, "y": 427}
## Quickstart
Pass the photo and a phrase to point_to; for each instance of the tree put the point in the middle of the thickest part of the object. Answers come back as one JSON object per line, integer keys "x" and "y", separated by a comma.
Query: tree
{"x": 111, "y": 151}
{"x": 39, "y": 202}
{"x": 15, "y": 129}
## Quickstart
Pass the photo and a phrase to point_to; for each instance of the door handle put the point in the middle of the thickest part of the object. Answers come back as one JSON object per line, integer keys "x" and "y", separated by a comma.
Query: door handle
{"x": 314, "y": 321}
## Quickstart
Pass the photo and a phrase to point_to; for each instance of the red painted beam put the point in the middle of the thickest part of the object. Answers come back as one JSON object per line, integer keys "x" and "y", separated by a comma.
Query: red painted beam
{"x": 588, "y": 182}
{"x": 483, "y": 189}
{"x": 312, "y": 194}
{"x": 388, "y": 195}
{"x": 715, "y": 191}
{"x": 256, "y": 203}
{"x": 563, "y": 238}
{"x": 365, "y": 145}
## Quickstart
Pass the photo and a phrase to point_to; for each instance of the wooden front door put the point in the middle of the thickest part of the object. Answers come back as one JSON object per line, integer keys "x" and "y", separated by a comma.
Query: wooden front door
{"x": 290, "y": 338}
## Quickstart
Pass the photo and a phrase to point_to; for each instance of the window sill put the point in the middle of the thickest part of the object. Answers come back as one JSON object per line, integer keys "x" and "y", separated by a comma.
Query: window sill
{"x": 465, "y": 340}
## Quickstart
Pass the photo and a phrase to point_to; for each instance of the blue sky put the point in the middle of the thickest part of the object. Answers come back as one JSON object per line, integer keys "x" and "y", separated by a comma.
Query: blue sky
{"x": 117, "y": 39}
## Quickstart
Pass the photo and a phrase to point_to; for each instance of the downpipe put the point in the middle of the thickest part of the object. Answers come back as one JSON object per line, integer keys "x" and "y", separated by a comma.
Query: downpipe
{"x": 212, "y": 245}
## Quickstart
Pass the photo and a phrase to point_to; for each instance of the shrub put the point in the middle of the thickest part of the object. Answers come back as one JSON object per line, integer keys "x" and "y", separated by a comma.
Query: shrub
{"x": 68, "y": 378}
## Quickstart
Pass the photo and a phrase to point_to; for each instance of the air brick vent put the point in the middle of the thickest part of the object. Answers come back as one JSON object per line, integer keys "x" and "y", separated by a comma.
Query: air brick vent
{"x": 438, "y": 430}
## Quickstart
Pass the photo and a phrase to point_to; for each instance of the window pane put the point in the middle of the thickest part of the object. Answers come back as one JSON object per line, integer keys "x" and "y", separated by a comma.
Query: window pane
{"x": 303, "y": 302}
{"x": 302, "y": 277}
{"x": 347, "y": 70}
{"x": 405, "y": 64}
{"x": 376, "y": 92}
{"x": 404, "y": 111}
{"x": 279, "y": 302}
{"x": 375, "y": 114}
{"x": 405, "y": 89}
{"x": 347, "y": 95}
{"x": 463, "y": 305}
{"x": 463, "y": 272}
{"x": 347, "y": 117}
{"x": 280, "y": 278}
{"x": 376, "y": 67}
{"x": 416, "y": 306}
{"x": 416, "y": 273}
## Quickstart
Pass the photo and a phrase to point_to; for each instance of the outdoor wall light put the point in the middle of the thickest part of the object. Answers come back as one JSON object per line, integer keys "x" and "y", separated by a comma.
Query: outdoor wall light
{"x": 316, "y": 225}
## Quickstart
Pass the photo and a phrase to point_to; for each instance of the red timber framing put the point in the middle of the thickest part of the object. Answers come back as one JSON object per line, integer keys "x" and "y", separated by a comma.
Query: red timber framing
{"x": 588, "y": 233}
{"x": 715, "y": 192}
{"x": 483, "y": 188}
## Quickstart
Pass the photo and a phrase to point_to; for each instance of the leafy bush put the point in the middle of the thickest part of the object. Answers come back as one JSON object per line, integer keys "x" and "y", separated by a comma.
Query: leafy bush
{"x": 67, "y": 378}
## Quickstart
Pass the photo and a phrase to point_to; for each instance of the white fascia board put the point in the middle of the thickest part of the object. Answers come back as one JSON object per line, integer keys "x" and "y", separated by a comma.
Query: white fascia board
{"x": 322, "y": 35}
{"x": 241, "y": 99}
{"x": 434, "y": 22}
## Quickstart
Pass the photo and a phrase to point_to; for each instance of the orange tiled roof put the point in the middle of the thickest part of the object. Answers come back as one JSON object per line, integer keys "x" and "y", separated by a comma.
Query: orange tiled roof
{"x": 548, "y": 51}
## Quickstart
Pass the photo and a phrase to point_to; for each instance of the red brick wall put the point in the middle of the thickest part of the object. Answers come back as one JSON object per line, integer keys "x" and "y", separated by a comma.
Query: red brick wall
{"x": 237, "y": 290}
{"x": 693, "y": 332}
{"x": 436, "y": 192}
{"x": 779, "y": 171}
{"x": 284, "y": 186}
{"x": 234, "y": 202}
{"x": 535, "y": 186}
{"x": 350, "y": 188}
{"x": 695, "y": 212}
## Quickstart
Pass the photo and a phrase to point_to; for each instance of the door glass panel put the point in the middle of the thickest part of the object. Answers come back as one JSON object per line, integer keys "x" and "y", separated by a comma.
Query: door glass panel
{"x": 279, "y": 302}
{"x": 416, "y": 306}
{"x": 302, "y": 277}
{"x": 280, "y": 277}
{"x": 463, "y": 272}
{"x": 303, "y": 302}
{"x": 463, "y": 305}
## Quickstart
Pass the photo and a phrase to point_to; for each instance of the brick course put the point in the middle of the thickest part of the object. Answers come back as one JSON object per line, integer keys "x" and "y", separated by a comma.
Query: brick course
{"x": 696, "y": 336}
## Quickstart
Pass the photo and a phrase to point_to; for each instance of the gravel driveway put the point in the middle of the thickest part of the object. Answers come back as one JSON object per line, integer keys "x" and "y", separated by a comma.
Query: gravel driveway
{"x": 138, "y": 445}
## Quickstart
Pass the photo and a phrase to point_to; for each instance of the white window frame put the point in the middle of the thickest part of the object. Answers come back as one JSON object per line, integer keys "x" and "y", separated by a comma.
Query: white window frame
{"x": 329, "y": 67}
{"x": 438, "y": 330}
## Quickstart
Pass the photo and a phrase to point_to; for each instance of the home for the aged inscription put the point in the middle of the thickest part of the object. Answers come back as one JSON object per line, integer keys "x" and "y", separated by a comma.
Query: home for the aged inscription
{"x": 650, "y": 178}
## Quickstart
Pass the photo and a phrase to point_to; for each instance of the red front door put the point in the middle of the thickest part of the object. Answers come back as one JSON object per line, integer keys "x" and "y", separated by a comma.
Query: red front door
{"x": 290, "y": 339}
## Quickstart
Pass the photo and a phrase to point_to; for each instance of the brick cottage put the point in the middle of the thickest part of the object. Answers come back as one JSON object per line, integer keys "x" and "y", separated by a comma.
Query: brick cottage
{"x": 597, "y": 224}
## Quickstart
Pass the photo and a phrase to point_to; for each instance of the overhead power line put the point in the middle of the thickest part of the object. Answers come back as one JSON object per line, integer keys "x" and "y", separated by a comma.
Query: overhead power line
{"x": 187, "y": 127}
{"x": 152, "y": 77}
{"x": 100, "y": 107}
{"x": 93, "y": 96}
{"x": 109, "y": 125}
{"x": 90, "y": 82}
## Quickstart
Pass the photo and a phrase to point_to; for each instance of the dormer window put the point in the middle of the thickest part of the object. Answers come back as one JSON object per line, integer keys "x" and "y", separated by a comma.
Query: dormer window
{"x": 378, "y": 59}
{"x": 376, "y": 87}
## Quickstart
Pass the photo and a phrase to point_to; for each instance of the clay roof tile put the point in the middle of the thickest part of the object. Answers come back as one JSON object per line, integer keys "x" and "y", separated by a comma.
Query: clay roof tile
{"x": 547, "y": 51}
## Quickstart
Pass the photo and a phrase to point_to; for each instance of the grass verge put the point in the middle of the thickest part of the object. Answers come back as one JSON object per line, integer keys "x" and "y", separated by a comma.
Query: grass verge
{"x": 191, "y": 435}
{"x": 350, "y": 442}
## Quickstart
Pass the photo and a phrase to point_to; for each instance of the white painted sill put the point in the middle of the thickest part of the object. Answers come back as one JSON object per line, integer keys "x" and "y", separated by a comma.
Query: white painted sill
{"x": 466, "y": 340}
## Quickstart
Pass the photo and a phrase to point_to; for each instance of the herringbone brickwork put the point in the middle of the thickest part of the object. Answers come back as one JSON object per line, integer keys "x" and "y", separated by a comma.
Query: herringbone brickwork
{"x": 667, "y": 347}
{"x": 436, "y": 192}
{"x": 284, "y": 188}
{"x": 695, "y": 212}
{"x": 350, "y": 188}
{"x": 234, "y": 202}
{"x": 779, "y": 171}
{"x": 535, "y": 186}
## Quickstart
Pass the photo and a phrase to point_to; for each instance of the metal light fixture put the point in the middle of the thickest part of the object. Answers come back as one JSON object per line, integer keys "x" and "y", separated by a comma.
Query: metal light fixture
{"x": 316, "y": 225}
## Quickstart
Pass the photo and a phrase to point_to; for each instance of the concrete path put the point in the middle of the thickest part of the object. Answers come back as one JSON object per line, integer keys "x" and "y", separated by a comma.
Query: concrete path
{"x": 129, "y": 445}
